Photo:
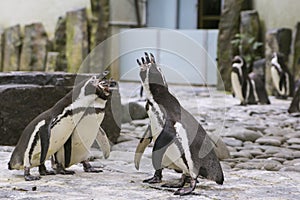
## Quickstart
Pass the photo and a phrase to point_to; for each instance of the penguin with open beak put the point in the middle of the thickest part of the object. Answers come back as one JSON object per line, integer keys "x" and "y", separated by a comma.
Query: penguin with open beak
{"x": 180, "y": 142}
{"x": 50, "y": 130}
{"x": 77, "y": 147}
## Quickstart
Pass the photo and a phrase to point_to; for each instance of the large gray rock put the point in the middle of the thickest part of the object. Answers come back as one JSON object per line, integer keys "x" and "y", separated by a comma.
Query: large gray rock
{"x": 34, "y": 48}
{"x": 12, "y": 43}
{"x": 243, "y": 134}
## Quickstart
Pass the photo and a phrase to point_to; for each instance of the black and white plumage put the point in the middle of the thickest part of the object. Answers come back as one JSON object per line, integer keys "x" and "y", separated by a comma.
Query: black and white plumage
{"x": 295, "y": 104}
{"x": 49, "y": 131}
{"x": 281, "y": 77}
{"x": 180, "y": 142}
{"x": 77, "y": 147}
{"x": 249, "y": 88}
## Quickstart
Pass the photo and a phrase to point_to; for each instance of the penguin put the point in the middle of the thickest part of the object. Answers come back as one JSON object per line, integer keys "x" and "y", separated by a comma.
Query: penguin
{"x": 281, "y": 77}
{"x": 295, "y": 104}
{"x": 50, "y": 130}
{"x": 249, "y": 88}
{"x": 180, "y": 142}
{"x": 77, "y": 147}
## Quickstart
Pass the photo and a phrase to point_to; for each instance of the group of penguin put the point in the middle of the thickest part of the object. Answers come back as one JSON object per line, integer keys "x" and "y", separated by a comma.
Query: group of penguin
{"x": 249, "y": 87}
{"x": 66, "y": 132}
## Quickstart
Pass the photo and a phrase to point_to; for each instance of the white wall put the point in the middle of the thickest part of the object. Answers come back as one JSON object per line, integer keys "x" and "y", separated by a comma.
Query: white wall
{"x": 278, "y": 13}
{"x": 24, "y": 12}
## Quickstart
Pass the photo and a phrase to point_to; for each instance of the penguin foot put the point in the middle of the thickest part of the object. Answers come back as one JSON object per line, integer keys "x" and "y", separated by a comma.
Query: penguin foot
{"x": 31, "y": 178}
{"x": 47, "y": 172}
{"x": 184, "y": 179}
{"x": 87, "y": 167}
{"x": 92, "y": 170}
{"x": 152, "y": 180}
{"x": 44, "y": 172}
{"x": 28, "y": 176}
{"x": 156, "y": 178}
{"x": 61, "y": 170}
{"x": 65, "y": 172}
{"x": 187, "y": 190}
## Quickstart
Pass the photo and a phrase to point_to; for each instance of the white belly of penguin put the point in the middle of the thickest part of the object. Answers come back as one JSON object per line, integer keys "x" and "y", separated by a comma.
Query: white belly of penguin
{"x": 59, "y": 135}
{"x": 155, "y": 121}
{"x": 276, "y": 79}
{"x": 82, "y": 139}
{"x": 173, "y": 157}
{"x": 236, "y": 86}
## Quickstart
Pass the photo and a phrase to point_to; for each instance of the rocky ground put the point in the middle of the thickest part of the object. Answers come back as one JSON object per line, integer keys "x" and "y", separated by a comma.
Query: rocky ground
{"x": 264, "y": 163}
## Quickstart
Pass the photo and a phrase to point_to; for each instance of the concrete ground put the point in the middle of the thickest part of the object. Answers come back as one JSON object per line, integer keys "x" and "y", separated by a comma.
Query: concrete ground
{"x": 120, "y": 179}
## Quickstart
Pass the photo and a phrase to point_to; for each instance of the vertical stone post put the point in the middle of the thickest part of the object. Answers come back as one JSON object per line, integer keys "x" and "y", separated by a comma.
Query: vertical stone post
{"x": 250, "y": 28}
{"x": 34, "y": 48}
{"x": 99, "y": 31}
{"x": 228, "y": 27}
{"x": 296, "y": 50}
{"x": 278, "y": 40}
{"x": 12, "y": 42}
{"x": 59, "y": 44}
{"x": 1, "y": 51}
{"x": 51, "y": 63}
{"x": 77, "y": 45}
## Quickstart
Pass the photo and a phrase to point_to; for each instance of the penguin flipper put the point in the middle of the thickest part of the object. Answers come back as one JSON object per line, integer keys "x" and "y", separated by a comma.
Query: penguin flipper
{"x": 144, "y": 142}
{"x": 164, "y": 140}
{"x": 103, "y": 142}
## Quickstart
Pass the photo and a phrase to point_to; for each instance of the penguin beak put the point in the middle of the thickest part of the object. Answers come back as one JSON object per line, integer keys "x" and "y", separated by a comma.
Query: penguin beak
{"x": 108, "y": 86}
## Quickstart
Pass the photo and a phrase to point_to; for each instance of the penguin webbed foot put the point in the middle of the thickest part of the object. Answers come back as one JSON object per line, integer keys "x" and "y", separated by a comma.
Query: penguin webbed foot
{"x": 28, "y": 176}
{"x": 61, "y": 170}
{"x": 89, "y": 169}
{"x": 156, "y": 178}
{"x": 184, "y": 179}
{"x": 152, "y": 180}
{"x": 187, "y": 190}
{"x": 44, "y": 172}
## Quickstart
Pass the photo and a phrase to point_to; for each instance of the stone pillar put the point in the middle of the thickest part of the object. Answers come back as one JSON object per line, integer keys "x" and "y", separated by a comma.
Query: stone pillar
{"x": 1, "y": 51}
{"x": 59, "y": 44}
{"x": 77, "y": 45}
{"x": 278, "y": 40}
{"x": 34, "y": 48}
{"x": 296, "y": 50}
{"x": 11, "y": 48}
{"x": 250, "y": 28}
{"x": 228, "y": 27}
{"x": 51, "y": 63}
{"x": 99, "y": 31}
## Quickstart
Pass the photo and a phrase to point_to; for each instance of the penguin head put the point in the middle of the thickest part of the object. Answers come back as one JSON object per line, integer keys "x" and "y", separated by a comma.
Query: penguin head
{"x": 99, "y": 85}
{"x": 150, "y": 72}
{"x": 239, "y": 66}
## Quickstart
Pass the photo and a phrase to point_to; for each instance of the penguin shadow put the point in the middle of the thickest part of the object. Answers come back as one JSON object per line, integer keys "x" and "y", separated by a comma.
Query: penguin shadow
{"x": 200, "y": 190}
